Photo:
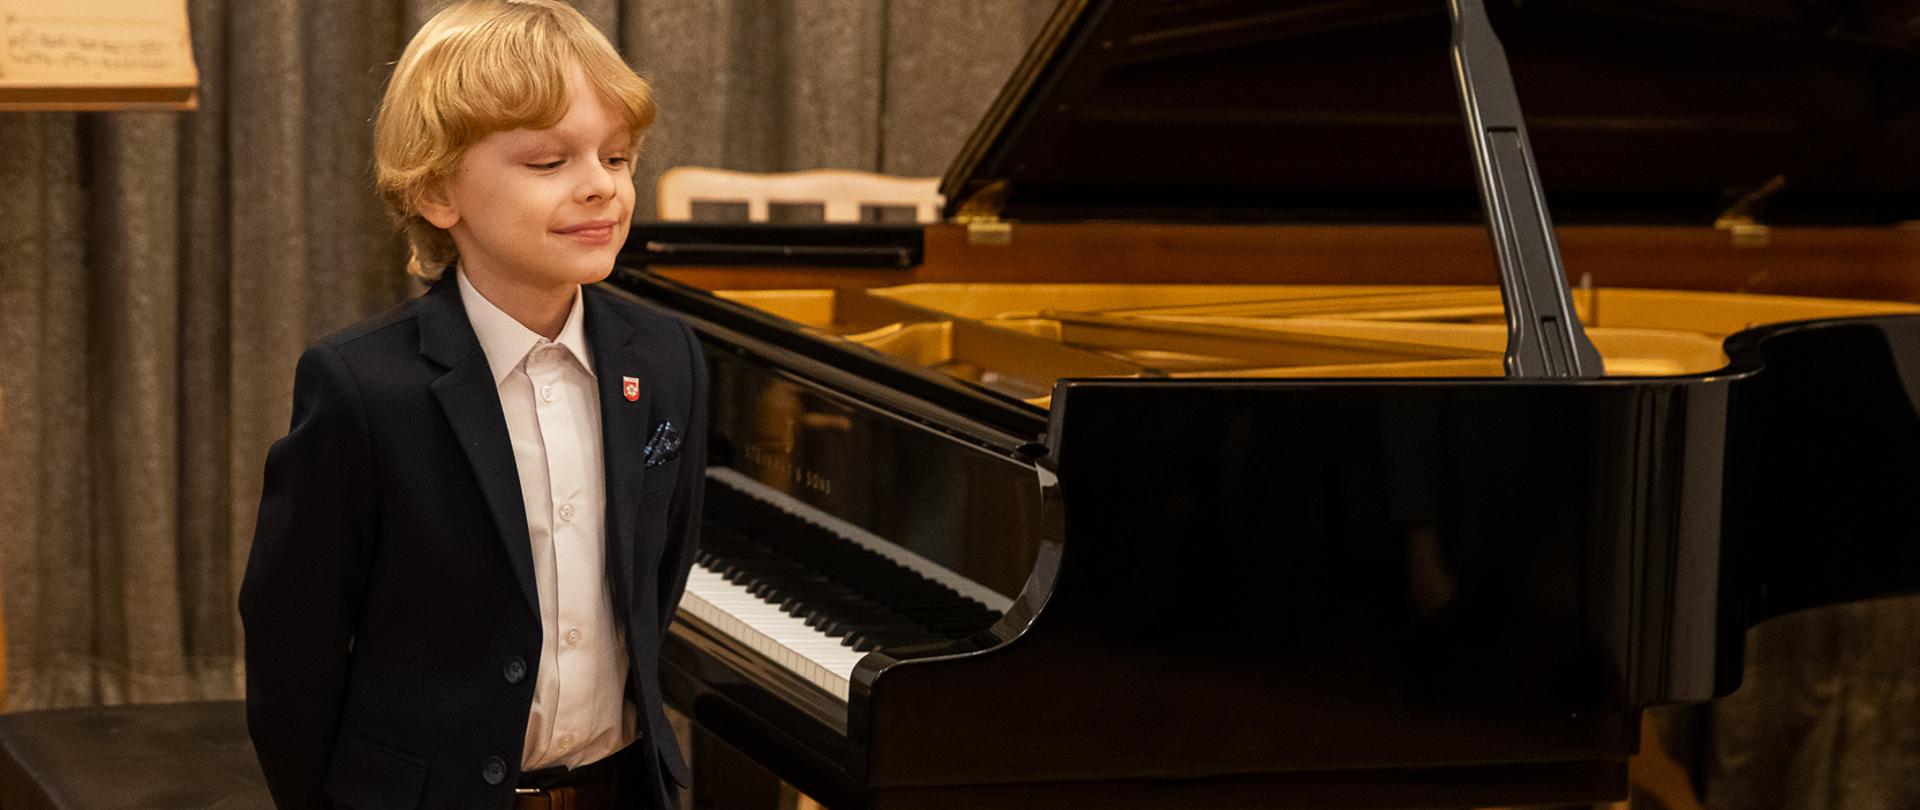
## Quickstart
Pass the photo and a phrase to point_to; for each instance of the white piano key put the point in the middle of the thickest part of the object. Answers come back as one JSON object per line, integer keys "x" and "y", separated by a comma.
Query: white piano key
{"x": 764, "y": 628}
{"x": 785, "y": 639}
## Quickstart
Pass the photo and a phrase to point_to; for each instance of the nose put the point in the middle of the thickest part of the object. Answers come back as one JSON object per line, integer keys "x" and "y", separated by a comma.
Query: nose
{"x": 596, "y": 185}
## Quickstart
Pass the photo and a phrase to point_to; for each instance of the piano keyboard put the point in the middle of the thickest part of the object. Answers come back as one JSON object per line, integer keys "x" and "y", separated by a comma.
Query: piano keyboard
{"x": 814, "y": 593}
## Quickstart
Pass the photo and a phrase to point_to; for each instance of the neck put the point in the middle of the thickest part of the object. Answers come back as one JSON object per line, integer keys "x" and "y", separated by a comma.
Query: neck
{"x": 540, "y": 308}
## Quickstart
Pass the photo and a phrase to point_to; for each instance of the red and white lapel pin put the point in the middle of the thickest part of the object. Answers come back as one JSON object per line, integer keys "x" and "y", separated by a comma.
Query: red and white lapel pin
{"x": 630, "y": 386}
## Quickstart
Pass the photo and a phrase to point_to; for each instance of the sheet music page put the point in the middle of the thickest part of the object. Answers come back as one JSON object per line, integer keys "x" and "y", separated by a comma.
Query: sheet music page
{"x": 95, "y": 43}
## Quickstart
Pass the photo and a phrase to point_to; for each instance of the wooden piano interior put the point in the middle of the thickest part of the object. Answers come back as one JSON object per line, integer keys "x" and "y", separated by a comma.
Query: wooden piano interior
{"x": 1315, "y": 301}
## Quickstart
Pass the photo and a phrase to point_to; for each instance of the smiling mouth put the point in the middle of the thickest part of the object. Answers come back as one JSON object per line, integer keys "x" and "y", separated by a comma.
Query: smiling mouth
{"x": 589, "y": 234}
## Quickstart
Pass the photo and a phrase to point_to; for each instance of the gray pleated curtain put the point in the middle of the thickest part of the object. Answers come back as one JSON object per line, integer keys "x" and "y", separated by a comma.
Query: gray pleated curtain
{"x": 162, "y": 271}
{"x": 159, "y": 274}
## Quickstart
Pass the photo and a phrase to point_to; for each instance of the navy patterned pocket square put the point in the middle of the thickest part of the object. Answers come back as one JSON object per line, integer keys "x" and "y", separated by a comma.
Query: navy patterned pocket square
{"x": 663, "y": 447}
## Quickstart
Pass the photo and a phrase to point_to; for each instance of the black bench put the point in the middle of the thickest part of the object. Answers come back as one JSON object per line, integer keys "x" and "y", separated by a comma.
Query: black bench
{"x": 184, "y": 756}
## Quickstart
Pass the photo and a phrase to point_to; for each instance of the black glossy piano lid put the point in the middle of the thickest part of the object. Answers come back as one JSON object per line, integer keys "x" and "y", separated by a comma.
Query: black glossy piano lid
{"x": 1640, "y": 111}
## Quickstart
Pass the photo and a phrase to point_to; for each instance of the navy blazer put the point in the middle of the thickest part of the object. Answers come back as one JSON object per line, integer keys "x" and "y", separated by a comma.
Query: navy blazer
{"x": 392, "y": 632}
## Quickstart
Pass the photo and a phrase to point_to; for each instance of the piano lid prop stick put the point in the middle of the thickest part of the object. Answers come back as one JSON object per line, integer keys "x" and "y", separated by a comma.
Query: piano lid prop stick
{"x": 1544, "y": 338}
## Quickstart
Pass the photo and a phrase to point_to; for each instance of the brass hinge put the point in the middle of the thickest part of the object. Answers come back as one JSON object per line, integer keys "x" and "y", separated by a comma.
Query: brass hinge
{"x": 981, "y": 214}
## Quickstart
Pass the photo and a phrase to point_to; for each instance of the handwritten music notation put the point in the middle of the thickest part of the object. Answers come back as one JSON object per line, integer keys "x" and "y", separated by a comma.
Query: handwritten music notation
{"x": 80, "y": 49}
{"x": 96, "y": 55}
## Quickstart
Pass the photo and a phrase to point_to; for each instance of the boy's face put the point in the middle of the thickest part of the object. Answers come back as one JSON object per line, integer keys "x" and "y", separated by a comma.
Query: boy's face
{"x": 543, "y": 208}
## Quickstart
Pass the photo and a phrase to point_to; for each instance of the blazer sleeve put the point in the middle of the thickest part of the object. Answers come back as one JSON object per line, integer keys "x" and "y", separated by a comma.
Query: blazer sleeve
{"x": 300, "y": 595}
{"x": 683, "y": 515}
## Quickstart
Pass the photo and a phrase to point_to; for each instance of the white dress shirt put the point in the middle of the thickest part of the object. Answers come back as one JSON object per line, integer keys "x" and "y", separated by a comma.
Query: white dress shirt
{"x": 580, "y": 713}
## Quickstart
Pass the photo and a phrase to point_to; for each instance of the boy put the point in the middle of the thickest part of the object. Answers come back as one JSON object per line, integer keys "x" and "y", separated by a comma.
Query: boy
{"x": 477, "y": 529}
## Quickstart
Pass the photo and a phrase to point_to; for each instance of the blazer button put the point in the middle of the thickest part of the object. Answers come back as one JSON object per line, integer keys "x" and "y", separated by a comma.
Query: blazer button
{"x": 516, "y": 670}
{"x": 495, "y": 771}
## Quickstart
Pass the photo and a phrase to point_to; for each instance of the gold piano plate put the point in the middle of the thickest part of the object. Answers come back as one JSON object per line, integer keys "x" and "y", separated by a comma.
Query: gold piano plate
{"x": 1018, "y": 338}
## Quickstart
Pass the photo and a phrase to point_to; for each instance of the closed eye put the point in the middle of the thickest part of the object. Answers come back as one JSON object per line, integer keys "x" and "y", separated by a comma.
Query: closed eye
{"x": 546, "y": 166}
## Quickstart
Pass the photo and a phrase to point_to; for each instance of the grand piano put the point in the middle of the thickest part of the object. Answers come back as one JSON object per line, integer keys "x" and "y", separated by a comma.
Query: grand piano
{"x": 1250, "y": 437}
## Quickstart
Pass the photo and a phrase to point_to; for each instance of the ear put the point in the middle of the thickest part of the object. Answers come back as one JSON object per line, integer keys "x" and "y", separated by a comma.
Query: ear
{"x": 436, "y": 206}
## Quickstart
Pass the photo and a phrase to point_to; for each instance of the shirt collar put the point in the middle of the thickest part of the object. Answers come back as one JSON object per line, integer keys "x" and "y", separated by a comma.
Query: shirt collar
{"x": 506, "y": 341}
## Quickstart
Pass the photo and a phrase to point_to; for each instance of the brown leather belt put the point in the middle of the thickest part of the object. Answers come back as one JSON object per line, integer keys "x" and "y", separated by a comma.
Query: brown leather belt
{"x": 595, "y": 786}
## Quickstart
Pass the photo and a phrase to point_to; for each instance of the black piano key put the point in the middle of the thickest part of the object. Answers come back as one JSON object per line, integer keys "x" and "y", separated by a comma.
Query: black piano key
{"x": 836, "y": 585}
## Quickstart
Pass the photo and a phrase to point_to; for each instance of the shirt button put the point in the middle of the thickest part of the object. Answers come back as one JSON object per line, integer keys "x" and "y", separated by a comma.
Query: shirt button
{"x": 494, "y": 771}
{"x": 566, "y": 512}
{"x": 546, "y": 393}
{"x": 566, "y": 741}
{"x": 573, "y": 636}
{"x": 516, "y": 670}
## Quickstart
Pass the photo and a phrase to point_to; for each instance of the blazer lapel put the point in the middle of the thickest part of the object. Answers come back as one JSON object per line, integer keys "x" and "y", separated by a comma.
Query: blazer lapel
{"x": 471, "y": 402}
{"x": 623, "y": 427}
